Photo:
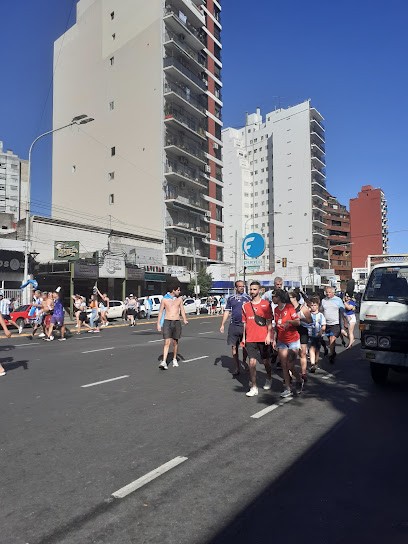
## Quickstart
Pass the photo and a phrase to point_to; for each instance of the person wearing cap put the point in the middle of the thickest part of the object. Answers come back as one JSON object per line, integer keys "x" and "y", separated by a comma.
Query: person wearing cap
{"x": 5, "y": 312}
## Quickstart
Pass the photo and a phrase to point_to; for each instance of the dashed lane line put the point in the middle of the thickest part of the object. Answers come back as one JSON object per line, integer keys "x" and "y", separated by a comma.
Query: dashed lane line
{"x": 207, "y": 332}
{"x": 196, "y": 359}
{"x": 271, "y": 408}
{"x": 140, "y": 482}
{"x": 160, "y": 340}
{"x": 105, "y": 381}
{"x": 94, "y": 350}
{"x": 30, "y": 344}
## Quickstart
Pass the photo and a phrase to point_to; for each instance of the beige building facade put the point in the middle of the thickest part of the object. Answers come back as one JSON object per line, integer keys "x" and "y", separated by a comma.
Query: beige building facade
{"x": 150, "y": 161}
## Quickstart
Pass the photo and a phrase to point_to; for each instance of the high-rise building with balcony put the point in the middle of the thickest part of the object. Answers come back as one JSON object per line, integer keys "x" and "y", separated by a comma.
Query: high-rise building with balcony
{"x": 148, "y": 72}
{"x": 337, "y": 221}
{"x": 275, "y": 184}
{"x": 369, "y": 229}
{"x": 13, "y": 184}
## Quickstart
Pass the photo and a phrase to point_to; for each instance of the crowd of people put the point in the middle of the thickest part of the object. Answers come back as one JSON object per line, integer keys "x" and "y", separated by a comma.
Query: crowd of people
{"x": 280, "y": 327}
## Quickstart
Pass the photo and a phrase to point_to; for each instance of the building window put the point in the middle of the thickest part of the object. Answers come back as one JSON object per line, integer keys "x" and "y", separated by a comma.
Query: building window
{"x": 111, "y": 105}
{"x": 218, "y": 213}
{"x": 219, "y": 254}
{"x": 112, "y": 61}
{"x": 111, "y": 176}
{"x": 113, "y": 151}
{"x": 111, "y": 198}
{"x": 112, "y": 15}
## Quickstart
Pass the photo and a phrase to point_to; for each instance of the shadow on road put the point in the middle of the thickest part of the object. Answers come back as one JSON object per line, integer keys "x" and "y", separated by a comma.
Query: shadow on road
{"x": 350, "y": 486}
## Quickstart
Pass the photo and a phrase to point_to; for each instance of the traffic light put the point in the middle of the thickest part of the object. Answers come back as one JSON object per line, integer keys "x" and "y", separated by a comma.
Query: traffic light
{"x": 284, "y": 262}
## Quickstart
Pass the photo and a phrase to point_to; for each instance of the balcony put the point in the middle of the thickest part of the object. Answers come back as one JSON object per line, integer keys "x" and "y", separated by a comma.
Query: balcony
{"x": 182, "y": 97}
{"x": 318, "y": 173}
{"x": 181, "y": 73}
{"x": 321, "y": 243}
{"x": 174, "y": 118}
{"x": 319, "y": 191}
{"x": 318, "y": 150}
{"x": 316, "y": 126}
{"x": 176, "y": 46}
{"x": 176, "y": 250}
{"x": 318, "y": 231}
{"x": 195, "y": 38}
{"x": 318, "y": 219}
{"x": 178, "y": 172}
{"x": 318, "y": 140}
{"x": 185, "y": 227}
{"x": 317, "y": 206}
{"x": 193, "y": 15}
{"x": 192, "y": 204}
{"x": 318, "y": 161}
{"x": 183, "y": 148}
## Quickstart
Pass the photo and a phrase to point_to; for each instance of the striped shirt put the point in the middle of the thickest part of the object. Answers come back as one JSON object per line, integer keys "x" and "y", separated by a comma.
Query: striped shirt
{"x": 4, "y": 306}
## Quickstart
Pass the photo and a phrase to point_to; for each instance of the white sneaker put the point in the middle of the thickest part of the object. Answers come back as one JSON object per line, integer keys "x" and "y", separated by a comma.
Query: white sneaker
{"x": 20, "y": 329}
{"x": 286, "y": 393}
{"x": 268, "y": 384}
{"x": 61, "y": 339}
{"x": 253, "y": 392}
{"x": 175, "y": 363}
{"x": 76, "y": 326}
{"x": 106, "y": 324}
{"x": 163, "y": 365}
{"x": 41, "y": 335}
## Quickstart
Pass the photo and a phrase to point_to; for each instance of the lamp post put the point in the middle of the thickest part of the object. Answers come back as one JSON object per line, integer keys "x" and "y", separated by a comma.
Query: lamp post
{"x": 78, "y": 120}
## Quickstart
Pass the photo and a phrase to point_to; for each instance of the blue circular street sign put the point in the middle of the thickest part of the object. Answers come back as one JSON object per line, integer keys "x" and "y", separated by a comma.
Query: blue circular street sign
{"x": 253, "y": 245}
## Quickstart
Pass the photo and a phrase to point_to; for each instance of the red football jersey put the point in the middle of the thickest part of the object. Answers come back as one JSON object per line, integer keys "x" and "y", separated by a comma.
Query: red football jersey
{"x": 287, "y": 313}
{"x": 255, "y": 333}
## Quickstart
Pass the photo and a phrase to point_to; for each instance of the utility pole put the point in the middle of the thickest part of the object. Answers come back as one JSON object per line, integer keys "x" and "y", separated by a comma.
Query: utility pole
{"x": 194, "y": 266}
{"x": 236, "y": 255}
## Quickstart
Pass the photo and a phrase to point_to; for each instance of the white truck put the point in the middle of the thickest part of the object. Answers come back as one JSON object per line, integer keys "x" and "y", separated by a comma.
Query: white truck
{"x": 384, "y": 315}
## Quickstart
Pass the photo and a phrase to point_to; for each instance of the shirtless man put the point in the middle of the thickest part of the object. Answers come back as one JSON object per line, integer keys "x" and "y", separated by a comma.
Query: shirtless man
{"x": 47, "y": 309}
{"x": 171, "y": 305}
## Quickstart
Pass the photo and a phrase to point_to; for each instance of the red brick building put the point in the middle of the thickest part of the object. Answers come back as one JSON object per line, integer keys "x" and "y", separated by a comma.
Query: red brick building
{"x": 368, "y": 218}
{"x": 337, "y": 221}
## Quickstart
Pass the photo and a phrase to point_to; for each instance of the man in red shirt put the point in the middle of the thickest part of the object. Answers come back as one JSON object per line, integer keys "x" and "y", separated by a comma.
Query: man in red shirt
{"x": 286, "y": 339}
{"x": 257, "y": 319}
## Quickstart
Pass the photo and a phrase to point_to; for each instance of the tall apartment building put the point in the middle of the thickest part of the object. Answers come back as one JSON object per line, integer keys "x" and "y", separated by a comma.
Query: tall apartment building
{"x": 369, "y": 230}
{"x": 13, "y": 184}
{"x": 275, "y": 184}
{"x": 148, "y": 72}
{"x": 337, "y": 221}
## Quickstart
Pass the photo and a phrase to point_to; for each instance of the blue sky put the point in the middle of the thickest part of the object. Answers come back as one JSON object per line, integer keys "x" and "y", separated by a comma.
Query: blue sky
{"x": 349, "y": 57}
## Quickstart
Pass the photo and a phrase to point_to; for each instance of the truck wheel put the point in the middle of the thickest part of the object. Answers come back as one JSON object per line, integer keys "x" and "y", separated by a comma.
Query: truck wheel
{"x": 379, "y": 373}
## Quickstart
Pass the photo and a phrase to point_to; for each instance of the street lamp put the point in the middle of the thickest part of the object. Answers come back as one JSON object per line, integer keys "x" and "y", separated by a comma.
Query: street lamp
{"x": 78, "y": 120}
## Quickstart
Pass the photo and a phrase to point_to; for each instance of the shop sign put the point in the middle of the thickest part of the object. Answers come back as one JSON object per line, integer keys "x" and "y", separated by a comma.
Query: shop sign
{"x": 111, "y": 265}
{"x": 135, "y": 274}
{"x": 176, "y": 271}
{"x": 66, "y": 251}
{"x": 11, "y": 261}
{"x": 85, "y": 271}
{"x": 150, "y": 276}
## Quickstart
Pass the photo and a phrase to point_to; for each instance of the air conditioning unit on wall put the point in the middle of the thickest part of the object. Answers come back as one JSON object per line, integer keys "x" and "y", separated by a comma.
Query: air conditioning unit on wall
{"x": 208, "y": 169}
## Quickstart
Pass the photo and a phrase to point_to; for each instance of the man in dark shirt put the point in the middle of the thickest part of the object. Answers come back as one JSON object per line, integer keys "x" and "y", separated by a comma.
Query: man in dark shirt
{"x": 236, "y": 327}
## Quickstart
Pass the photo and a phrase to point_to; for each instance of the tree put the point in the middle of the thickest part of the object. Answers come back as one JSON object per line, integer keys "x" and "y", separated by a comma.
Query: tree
{"x": 204, "y": 280}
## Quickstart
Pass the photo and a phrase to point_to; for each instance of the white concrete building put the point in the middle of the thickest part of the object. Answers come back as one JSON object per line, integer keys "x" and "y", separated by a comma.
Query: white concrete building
{"x": 13, "y": 184}
{"x": 148, "y": 72}
{"x": 274, "y": 176}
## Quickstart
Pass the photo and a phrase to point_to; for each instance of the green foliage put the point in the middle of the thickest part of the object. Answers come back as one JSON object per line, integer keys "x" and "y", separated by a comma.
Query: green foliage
{"x": 204, "y": 280}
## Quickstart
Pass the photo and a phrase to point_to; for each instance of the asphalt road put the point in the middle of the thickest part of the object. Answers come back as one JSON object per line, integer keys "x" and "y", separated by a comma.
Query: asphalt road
{"x": 327, "y": 467}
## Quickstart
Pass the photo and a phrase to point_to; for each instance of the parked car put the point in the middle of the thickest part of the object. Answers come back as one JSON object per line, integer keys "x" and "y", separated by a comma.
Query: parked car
{"x": 115, "y": 311}
{"x": 155, "y": 300}
{"x": 189, "y": 306}
{"x": 20, "y": 316}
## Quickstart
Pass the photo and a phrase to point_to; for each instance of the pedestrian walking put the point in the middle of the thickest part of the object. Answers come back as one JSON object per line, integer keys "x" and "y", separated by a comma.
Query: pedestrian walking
{"x": 8, "y": 334}
{"x": 233, "y": 308}
{"x": 305, "y": 317}
{"x": 132, "y": 310}
{"x": 103, "y": 307}
{"x": 94, "y": 314}
{"x": 38, "y": 315}
{"x": 169, "y": 319}
{"x": 332, "y": 308}
{"x": 148, "y": 307}
{"x": 316, "y": 330}
{"x": 350, "y": 308}
{"x": 257, "y": 335}
{"x": 287, "y": 339}
{"x": 57, "y": 316}
{"x": 197, "y": 303}
{"x": 5, "y": 312}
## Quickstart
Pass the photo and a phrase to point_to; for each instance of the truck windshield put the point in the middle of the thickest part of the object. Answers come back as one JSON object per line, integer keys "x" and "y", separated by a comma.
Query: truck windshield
{"x": 388, "y": 284}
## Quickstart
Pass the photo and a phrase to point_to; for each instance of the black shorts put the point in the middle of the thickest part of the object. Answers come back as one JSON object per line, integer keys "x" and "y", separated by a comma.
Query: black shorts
{"x": 315, "y": 342}
{"x": 257, "y": 350}
{"x": 6, "y": 316}
{"x": 83, "y": 317}
{"x": 235, "y": 333}
{"x": 172, "y": 329}
{"x": 304, "y": 335}
{"x": 333, "y": 330}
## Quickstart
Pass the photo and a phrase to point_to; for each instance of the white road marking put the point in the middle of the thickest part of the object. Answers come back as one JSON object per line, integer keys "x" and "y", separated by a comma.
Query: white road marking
{"x": 144, "y": 330}
{"x": 93, "y": 350}
{"x": 105, "y": 381}
{"x": 207, "y": 332}
{"x": 332, "y": 375}
{"x": 271, "y": 408}
{"x": 160, "y": 340}
{"x": 140, "y": 482}
{"x": 196, "y": 359}
{"x": 202, "y": 322}
{"x": 30, "y": 344}
{"x": 88, "y": 337}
